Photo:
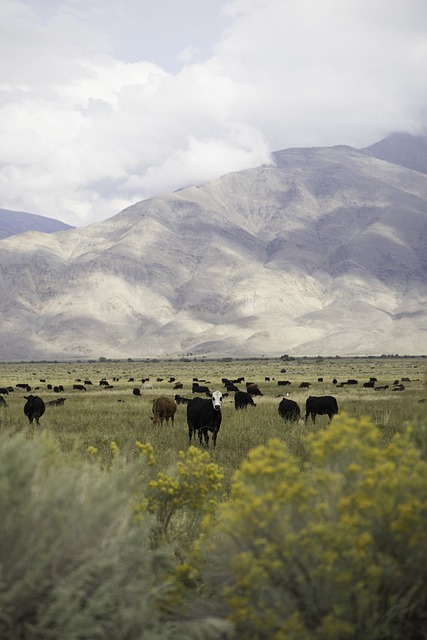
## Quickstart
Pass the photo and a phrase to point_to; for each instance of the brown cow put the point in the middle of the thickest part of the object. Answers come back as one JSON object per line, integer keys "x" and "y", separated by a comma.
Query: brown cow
{"x": 164, "y": 408}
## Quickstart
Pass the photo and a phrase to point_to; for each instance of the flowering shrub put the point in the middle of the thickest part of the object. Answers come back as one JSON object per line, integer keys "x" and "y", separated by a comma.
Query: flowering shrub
{"x": 332, "y": 552}
{"x": 180, "y": 500}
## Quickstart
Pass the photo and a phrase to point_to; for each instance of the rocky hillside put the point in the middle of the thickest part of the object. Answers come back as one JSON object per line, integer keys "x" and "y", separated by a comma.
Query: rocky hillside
{"x": 323, "y": 252}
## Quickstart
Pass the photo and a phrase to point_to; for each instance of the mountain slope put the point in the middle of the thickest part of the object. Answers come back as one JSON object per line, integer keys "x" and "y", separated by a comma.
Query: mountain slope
{"x": 402, "y": 148}
{"x": 323, "y": 252}
{"x": 14, "y": 222}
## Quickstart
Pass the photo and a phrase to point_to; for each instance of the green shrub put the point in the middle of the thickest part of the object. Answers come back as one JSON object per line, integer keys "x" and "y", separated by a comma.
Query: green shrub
{"x": 74, "y": 564}
{"x": 335, "y": 551}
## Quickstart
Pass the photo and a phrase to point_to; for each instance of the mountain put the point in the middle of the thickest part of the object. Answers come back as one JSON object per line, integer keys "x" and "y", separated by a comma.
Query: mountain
{"x": 14, "y": 222}
{"x": 322, "y": 252}
{"x": 403, "y": 149}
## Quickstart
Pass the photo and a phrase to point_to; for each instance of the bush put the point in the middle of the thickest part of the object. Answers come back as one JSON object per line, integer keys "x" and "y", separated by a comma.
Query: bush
{"x": 335, "y": 551}
{"x": 74, "y": 564}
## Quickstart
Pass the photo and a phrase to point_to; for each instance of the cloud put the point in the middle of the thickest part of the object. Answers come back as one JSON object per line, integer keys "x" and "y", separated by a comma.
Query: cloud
{"x": 85, "y": 132}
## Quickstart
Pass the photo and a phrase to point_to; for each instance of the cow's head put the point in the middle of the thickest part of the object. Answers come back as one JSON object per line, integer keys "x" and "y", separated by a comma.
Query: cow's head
{"x": 217, "y": 397}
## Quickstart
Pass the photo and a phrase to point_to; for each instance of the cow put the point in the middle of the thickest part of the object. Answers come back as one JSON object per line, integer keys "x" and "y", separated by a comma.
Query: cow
{"x": 178, "y": 385}
{"x": 289, "y": 410}
{"x": 181, "y": 400}
{"x": 196, "y": 388}
{"x": 79, "y": 387}
{"x": 320, "y": 405}
{"x": 34, "y": 408}
{"x": 55, "y": 403}
{"x": 253, "y": 389}
{"x": 2, "y": 402}
{"x": 242, "y": 399}
{"x": 304, "y": 385}
{"x": 369, "y": 385}
{"x": 23, "y": 385}
{"x": 204, "y": 415}
{"x": 164, "y": 408}
{"x": 136, "y": 391}
{"x": 283, "y": 383}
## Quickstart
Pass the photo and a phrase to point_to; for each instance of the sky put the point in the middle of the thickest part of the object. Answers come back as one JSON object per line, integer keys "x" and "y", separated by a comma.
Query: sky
{"x": 104, "y": 103}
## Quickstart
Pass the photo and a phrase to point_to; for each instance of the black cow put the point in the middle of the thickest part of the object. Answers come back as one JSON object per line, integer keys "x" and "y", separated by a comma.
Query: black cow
{"x": 242, "y": 399}
{"x": 2, "y": 402}
{"x": 320, "y": 405}
{"x": 204, "y": 415}
{"x": 55, "y": 403}
{"x": 181, "y": 400}
{"x": 4, "y": 390}
{"x": 289, "y": 410}
{"x": 79, "y": 387}
{"x": 253, "y": 389}
{"x": 196, "y": 388}
{"x": 136, "y": 392}
{"x": 34, "y": 408}
{"x": 23, "y": 385}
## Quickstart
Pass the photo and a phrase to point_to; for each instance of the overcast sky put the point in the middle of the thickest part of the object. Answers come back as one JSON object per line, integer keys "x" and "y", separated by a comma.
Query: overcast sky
{"x": 108, "y": 102}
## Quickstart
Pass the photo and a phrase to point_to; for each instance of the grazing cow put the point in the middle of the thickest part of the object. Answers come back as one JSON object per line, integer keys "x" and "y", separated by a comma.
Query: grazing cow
{"x": 320, "y": 405}
{"x": 253, "y": 389}
{"x": 34, "y": 408}
{"x": 55, "y": 403}
{"x": 382, "y": 387}
{"x": 352, "y": 381}
{"x": 304, "y": 385}
{"x": 181, "y": 400}
{"x": 196, "y": 388}
{"x": 399, "y": 387}
{"x": 164, "y": 408}
{"x": 369, "y": 385}
{"x": 204, "y": 415}
{"x": 178, "y": 385}
{"x": 23, "y": 385}
{"x": 242, "y": 399}
{"x": 283, "y": 383}
{"x": 79, "y": 387}
{"x": 289, "y": 410}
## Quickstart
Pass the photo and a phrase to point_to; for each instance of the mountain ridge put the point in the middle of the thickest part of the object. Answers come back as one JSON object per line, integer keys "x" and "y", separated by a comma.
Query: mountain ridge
{"x": 322, "y": 252}
{"x": 16, "y": 222}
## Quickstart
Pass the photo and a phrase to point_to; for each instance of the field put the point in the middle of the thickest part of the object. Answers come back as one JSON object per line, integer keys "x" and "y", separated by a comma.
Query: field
{"x": 114, "y": 528}
{"x": 99, "y": 415}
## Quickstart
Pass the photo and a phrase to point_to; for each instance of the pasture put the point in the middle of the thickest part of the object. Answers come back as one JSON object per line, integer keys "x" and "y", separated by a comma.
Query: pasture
{"x": 103, "y": 414}
{"x": 113, "y": 527}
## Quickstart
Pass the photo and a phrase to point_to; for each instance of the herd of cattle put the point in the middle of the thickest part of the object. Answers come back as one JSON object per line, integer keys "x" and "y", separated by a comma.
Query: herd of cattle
{"x": 204, "y": 414}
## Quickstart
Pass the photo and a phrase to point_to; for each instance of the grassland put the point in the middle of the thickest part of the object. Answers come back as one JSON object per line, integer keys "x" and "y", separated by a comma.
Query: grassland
{"x": 98, "y": 416}
{"x": 123, "y": 542}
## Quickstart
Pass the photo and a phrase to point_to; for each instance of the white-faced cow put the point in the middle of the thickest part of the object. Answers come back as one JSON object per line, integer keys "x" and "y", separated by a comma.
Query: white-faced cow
{"x": 164, "y": 408}
{"x": 34, "y": 408}
{"x": 289, "y": 410}
{"x": 320, "y": 405}
{"x": 204, "y": 415}
{"x": 242, "y": 399}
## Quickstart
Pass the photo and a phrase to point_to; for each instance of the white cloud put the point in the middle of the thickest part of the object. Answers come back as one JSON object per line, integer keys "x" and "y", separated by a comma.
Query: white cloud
{"x": 85, "y": 132}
